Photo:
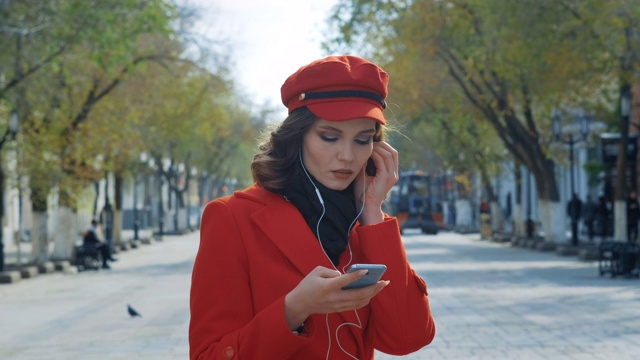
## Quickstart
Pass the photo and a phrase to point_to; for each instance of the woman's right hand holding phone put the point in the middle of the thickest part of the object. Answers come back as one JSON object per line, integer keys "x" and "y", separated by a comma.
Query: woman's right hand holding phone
{"x": 320, "y": 292}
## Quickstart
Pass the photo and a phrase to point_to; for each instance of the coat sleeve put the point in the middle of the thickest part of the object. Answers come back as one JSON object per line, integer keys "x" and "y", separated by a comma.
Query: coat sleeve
{"x": 401, "y": 320}
{"x": 224, "y": 324}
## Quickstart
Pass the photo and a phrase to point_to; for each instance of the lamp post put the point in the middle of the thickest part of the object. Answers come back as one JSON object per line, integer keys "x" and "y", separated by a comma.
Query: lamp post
{"x": 571, "y": 140}
{"x": 11, "y": 132}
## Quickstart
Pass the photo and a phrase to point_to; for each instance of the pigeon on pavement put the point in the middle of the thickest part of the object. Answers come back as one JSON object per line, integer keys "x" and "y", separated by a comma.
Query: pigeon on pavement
{"x": 132, "y": 311}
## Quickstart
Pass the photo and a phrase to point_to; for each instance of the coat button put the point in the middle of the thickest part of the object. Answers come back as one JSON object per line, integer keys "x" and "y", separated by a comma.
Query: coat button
{"x": 228, "y": 353}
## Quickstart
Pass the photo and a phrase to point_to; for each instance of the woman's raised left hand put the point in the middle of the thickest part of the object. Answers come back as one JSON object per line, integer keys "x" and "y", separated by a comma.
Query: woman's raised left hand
{"x": 385, "y": 159}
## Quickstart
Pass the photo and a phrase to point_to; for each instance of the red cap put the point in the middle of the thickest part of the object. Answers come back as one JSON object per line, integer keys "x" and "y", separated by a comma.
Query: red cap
{"x": 338, "y": 88}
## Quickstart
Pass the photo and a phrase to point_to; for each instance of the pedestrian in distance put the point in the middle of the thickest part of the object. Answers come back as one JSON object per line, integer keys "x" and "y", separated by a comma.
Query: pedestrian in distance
{"x": 273, "y": 259}
{"x": 574, "y": 208}
{"x": 91, "y": 238}
{"x": 633, "y": 215}
{"x": 484, "y": 207}
{"x": 508, "y": 210}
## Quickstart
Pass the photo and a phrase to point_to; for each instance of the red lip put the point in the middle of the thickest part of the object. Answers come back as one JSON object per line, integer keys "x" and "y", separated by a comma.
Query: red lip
{"x": 342, "y": 173}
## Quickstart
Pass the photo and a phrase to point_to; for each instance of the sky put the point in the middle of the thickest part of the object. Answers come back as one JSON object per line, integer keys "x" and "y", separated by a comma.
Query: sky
{"x": 270, "y": 39}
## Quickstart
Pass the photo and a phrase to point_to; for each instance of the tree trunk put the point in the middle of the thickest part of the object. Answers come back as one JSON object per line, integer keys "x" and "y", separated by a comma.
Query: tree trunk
{"x": 552, "y": 217}
{"x": 620, "y": 193}
{"x": 497, "y": 220}
{"x": 552, "y": 211}
{"x": 117, "y": 214}
{"x": 518, "y": 221}
{"x": 39, "y": 238}
{"x": 96, "y": 187}
{"x": 39, "y": 229}
{"x": 620, "y": 220}
{"x": 65, "y": 234}
{"x": 518, "y": 218}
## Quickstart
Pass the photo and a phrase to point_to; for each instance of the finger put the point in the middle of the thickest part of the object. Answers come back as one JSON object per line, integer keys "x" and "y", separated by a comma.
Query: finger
{"x": 388, "y": 148}
{"x": 383, "y": 158}
{"x": 368, "y": 292}
{"x": 350, "y": 277}
{"x": 392, "y": 159}
{"x": 357, "y": 298}
{"x": 325, "y": 273}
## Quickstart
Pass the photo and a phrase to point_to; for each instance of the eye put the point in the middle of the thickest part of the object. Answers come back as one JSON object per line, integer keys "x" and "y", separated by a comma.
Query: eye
{"x": 363, "y": 141}
{"x": 328, "y": 138}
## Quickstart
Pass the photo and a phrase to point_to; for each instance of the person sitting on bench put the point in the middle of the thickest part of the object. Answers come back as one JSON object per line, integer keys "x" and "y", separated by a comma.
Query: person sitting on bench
{"x": 91, "y": 238}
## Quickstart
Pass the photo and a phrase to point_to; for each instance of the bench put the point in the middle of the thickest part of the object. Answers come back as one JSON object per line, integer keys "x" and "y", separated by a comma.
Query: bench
{"x": 619, "y": 258}
{"x": 87, "y": 257}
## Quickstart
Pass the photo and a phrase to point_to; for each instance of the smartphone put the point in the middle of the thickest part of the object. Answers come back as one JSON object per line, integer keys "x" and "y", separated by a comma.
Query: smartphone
{"x": 371, "y": 168}
{"x": 373, "y": 275}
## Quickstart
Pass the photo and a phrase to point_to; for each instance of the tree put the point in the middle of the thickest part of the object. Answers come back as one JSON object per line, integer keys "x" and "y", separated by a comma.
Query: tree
{"x": 69, "y": 55}
{"x": 96, "y": 83}
{"x": 513, "y": 68}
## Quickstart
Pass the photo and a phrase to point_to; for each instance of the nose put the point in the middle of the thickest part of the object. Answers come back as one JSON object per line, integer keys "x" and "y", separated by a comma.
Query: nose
{"x": 346, "y": 153}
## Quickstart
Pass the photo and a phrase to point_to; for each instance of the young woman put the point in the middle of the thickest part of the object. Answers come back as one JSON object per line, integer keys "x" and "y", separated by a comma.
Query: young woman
{"x": 269, "y": 274}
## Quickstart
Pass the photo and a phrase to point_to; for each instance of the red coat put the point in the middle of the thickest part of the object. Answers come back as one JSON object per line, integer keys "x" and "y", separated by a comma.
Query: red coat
{"x": 255, "y": 247}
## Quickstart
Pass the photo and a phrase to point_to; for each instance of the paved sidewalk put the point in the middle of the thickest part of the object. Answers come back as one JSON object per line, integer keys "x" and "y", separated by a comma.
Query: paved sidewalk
{"x": 490, "y": 301}
{"x": 84, "y": 315}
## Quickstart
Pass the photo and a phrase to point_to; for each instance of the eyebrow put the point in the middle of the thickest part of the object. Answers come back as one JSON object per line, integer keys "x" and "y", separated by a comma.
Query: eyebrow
{"x": 363, "y": 132}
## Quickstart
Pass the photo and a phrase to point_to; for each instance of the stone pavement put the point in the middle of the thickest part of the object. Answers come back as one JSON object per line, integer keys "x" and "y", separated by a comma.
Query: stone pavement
{"x": 84, "y": 315}
{"x": 490, "y": 301}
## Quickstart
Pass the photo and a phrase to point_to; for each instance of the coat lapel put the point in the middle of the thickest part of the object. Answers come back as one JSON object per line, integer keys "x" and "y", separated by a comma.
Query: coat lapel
{"x": 284, "y": 225}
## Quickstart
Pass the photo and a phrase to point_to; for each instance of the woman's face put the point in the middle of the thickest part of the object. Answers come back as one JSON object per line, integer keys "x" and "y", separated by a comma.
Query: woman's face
{"x": 334, "y": 152}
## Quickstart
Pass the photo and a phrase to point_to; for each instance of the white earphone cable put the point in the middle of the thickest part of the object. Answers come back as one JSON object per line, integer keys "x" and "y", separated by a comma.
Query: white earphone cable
{"x": 359, "y": 324}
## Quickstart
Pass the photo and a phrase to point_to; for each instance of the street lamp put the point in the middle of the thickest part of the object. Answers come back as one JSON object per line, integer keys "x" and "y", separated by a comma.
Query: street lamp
{"x": 569, "y": 139}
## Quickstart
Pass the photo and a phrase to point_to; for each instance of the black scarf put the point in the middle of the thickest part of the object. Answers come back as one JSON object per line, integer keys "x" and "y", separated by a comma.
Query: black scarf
{"x": 340, "y": 211}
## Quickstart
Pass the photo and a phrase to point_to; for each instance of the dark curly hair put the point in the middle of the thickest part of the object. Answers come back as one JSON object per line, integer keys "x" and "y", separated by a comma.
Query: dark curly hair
{"x": 273, "y": 166}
